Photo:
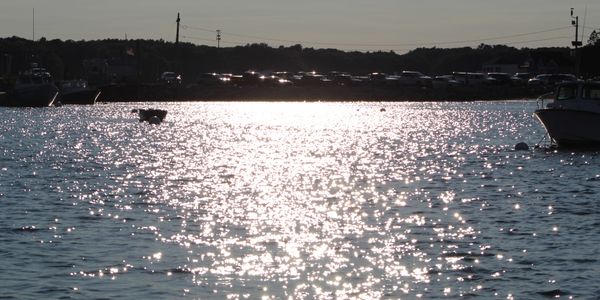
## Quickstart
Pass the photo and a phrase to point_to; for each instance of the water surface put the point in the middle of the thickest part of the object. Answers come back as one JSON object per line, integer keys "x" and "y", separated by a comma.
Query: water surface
{"x": 294, "y": 200}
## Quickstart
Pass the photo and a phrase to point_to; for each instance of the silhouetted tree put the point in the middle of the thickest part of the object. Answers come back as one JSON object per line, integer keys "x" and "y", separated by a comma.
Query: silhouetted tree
{"x": 594, "y": 38}
{"x": 152, "y": 57}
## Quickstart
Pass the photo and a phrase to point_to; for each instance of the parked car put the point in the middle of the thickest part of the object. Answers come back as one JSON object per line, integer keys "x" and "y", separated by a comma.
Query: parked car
{"x": 520, "y": 78}
{"x": 274, "y": 80}
{"x": 340, "y": 78}
{"x": 209, "y": 79}
{"x": 377, "y": 78}
{"x": 170, "y": 78}
{"x": 444, "y": 81}
{"x": 314, "y": 79}
{"x": 550, "y": 80}
{"x": 414, "y": 78}
{"x": 500, "y": 78}
{"x": 468, "y": 78}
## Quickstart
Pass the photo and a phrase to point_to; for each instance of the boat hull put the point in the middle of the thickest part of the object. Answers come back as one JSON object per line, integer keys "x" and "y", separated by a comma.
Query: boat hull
{"x": 31, "y": 96}
{"x": 83, "y": 97}
{"x": 571, "y": 128}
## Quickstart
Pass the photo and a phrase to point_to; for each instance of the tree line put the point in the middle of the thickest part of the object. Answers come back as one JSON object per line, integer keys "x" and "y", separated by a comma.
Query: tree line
{"x": 65, "y": 59}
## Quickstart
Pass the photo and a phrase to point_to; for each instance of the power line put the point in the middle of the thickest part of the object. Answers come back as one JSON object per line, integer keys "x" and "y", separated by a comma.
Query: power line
{"x": 183, "y": 26}
{"x": 539, "y": 40}
{"x": 503, "y": 37}
{"x": 377, "y": 44}
{"x": 234, "y": 43}
{"x": 196, "y": 38}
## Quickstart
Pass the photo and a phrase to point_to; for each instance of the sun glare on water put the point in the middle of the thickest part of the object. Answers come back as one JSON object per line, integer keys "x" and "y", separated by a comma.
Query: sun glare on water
{"x": 294, "y": 200}
{"x": 297, "y": 193}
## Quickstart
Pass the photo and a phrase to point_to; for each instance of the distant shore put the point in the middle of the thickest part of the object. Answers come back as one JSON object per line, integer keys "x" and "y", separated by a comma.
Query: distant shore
{"x": 153, "y": 92}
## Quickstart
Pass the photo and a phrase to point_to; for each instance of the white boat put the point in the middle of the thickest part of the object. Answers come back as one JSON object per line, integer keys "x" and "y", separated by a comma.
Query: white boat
{"x": 573, "y": 118}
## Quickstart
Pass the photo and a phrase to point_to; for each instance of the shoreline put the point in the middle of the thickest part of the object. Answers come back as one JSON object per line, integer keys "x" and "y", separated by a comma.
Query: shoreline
{"x": 164, "y": 93}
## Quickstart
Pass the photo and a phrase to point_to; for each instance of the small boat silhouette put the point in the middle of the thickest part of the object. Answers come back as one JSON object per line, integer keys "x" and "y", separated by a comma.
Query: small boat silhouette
{"x": 153, "y": 116}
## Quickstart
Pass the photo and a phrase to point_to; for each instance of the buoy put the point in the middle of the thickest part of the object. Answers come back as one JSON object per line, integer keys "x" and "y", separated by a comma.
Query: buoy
{"x": 154, "y": 120}
{"x": 522, "y": 146}
{"x": 382, "y": 110}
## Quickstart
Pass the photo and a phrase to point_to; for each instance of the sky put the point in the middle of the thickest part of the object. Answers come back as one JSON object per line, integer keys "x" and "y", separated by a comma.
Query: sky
{"x": 352, "y": 25}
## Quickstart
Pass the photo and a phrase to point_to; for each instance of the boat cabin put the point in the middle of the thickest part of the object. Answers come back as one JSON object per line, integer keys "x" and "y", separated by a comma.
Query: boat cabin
{"x": 577, "y": 95}
{"x": 34, "y": 76}
{"x": 578, "y": 90}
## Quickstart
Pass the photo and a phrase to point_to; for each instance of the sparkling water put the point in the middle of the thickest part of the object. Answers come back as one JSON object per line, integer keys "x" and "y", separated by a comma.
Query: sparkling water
{"x": 279, "y": 200}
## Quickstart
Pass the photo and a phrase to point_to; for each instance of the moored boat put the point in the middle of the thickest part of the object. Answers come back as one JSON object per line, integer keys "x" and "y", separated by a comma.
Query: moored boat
{"x": 151, "y": 115}
{"x": 573, "y": 118}
{"x": 77, "y": 92}
{"x": 33, "y": 88}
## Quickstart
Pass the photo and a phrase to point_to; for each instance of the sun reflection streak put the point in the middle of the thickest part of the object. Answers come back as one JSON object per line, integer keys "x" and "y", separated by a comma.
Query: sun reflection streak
{"x": 296, "y": 201}
{"x": 323, "y": 199}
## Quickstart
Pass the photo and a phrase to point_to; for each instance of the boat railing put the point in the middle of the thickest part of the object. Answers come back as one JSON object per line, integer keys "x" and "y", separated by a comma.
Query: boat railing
{"x": 540, "y": 101}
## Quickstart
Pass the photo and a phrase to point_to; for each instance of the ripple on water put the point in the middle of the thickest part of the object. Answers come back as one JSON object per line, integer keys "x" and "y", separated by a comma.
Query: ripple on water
{"x": 300, "y": 200}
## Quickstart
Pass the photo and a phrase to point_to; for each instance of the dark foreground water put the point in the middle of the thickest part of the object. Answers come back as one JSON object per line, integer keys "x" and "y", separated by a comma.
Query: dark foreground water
{"x": 294, "y": 200}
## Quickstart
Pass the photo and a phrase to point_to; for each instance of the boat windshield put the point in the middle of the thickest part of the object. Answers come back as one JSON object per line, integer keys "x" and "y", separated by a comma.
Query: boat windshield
{"x": 591, "y": 92}
{"x": 567, "y": 92}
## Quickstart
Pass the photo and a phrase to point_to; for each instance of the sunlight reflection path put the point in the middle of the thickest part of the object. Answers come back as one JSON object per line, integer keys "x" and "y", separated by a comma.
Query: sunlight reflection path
{"x": 290, "y": 194}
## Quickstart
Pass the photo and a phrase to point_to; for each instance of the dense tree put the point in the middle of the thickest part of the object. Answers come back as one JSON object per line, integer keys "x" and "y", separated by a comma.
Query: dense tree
{"x": 65, "y": 59}
{"x": 594, "y": 38}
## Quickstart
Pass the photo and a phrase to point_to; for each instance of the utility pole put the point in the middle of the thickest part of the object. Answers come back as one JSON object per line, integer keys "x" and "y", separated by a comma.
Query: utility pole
{"x": 575, "y": 22}
{"x": 177, "y": 36}
{"x": 176, "y": 61}
{"x": 218, "y": 38}
{"x": 576, "y": 43}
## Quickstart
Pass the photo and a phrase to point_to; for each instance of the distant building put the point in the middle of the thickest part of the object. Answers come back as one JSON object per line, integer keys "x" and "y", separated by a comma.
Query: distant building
{"x": 504, "y": 65}
{"x": 104, "y": 71}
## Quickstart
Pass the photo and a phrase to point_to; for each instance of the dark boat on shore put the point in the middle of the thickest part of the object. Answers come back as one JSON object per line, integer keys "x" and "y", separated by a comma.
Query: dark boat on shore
{"x": 77, "y": 92}
{"x": 33, "y": 88}
{"x": 573, "y": 118}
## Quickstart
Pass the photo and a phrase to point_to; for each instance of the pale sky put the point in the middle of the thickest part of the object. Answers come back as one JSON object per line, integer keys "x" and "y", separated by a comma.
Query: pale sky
{"x": 399, "y": 25}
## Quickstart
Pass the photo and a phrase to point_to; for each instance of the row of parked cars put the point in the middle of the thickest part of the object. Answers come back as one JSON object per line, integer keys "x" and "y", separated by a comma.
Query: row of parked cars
{"x": 404, "y": 78}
